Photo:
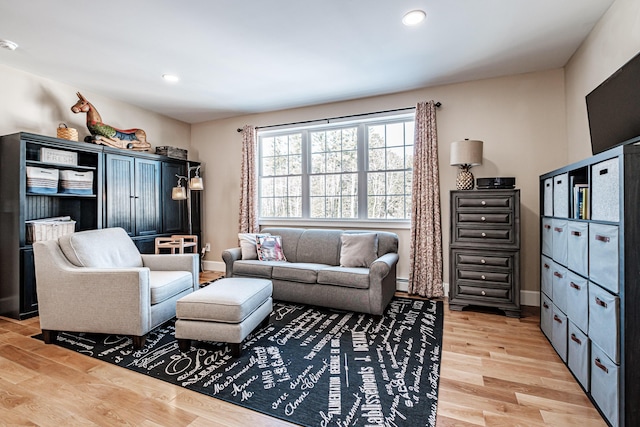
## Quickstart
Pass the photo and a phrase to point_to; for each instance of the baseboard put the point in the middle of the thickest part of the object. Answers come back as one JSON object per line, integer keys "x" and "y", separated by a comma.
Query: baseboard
{"x": 214, "y": 266}
{"x": 531, "y": 298}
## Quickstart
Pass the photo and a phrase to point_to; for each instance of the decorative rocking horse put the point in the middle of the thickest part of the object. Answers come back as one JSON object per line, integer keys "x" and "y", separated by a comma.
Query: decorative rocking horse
{"x": 132, "y": 139}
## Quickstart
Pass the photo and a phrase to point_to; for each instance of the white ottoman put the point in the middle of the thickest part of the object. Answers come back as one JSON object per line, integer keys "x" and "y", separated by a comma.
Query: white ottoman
{"x": 225, "y": 311}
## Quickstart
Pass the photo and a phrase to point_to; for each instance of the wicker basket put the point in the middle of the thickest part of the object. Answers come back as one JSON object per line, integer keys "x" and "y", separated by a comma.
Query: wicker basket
{"x": 65, "y": 132}
{"x": 49, "y": 228}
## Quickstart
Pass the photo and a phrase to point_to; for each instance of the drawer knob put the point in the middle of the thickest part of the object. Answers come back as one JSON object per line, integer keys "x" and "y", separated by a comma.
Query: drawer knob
{"x": 484, "y": 234}
{"x": 482, "y": 261}
{"x": 483, "y": 293}
{"x": 483, "y": 218}
{"x": 576, "y": 339}
{"x": 574, "y": 286}
{"x": 483, "y": 277}
{"x": 604, "y": 239}
{"x": 557, "y": 319}
{"x": 483, "y": 203}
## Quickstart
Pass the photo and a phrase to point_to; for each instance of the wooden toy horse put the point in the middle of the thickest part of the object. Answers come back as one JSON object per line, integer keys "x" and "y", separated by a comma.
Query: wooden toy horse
{"x": 133, "y": 139}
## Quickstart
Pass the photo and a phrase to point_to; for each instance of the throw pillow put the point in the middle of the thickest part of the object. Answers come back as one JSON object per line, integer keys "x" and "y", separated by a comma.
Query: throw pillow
{"x": 358, "y": 249}
{"x": 270, "y": 248}
{"x": 248, "y": 244}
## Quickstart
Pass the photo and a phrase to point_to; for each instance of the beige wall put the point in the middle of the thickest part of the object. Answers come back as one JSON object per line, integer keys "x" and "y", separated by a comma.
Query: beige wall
{"x": 613, "y": 41}
{"x": 521, "y": 120}
{"x": 29, "y": 103}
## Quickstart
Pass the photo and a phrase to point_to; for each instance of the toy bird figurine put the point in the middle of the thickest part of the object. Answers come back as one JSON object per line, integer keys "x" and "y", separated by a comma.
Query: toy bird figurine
{"x": 102, "y": 133}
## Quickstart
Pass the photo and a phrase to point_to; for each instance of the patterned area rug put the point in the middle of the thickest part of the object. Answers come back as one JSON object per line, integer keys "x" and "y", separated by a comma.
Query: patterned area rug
{"x": 310, "y": 366}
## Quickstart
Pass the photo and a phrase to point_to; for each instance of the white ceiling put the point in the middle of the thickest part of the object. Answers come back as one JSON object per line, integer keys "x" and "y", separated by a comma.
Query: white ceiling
{"x": 237, "y": 57}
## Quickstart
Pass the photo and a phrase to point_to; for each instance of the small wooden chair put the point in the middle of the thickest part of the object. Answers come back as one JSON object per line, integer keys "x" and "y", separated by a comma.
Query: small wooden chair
{"x": 177, "y": 242}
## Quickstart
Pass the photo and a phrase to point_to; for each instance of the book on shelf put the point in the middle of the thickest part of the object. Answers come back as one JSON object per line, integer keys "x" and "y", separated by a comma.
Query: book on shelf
{"x": 580, "y": 206}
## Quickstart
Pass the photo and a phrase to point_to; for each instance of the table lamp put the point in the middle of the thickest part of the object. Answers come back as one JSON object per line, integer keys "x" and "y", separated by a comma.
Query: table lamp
{"x": 466, "y": 153}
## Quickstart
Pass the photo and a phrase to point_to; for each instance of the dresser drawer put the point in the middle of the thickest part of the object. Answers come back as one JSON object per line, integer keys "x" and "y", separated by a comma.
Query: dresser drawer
{"x": 485, "y": 218}
{"x": 502, "y": 294}
{"x": 484, "y": 276}
{"x": 479, "y": 202}
{"x": 487, "y": 259}
{"x": 485, "y": 236}
{"x": 546, "y": 276}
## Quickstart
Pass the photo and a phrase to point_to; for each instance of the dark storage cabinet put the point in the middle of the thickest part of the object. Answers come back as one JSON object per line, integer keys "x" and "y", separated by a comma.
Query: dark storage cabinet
{"x": 18, "y": 205}
{"x": 590, "y": 282}
{"x": 484, "y": 253}
{"x": 130, "y": 190}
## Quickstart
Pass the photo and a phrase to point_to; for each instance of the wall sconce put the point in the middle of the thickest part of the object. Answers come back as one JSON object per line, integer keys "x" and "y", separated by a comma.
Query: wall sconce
{"x": 466, "y": 153}
{"x": 184, "y": 193}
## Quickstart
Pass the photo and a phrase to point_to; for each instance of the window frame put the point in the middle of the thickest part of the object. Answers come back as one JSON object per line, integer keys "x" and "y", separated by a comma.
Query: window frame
{"x": 362, "y": 172}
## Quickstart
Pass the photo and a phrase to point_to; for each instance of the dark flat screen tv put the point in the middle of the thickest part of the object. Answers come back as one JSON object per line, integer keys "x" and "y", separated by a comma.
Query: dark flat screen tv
{"x": 613, "y": 108}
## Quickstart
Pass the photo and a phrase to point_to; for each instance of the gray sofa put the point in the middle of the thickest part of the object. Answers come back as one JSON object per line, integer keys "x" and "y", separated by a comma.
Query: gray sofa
{"x": 312, "y": 273}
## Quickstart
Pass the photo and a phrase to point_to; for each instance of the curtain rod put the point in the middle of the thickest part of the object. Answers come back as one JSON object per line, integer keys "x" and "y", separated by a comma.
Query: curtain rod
{"x": 437, "y": 104}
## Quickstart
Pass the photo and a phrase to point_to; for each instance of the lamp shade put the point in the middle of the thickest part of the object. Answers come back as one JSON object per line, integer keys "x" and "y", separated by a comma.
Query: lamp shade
{"x": 195, "y": 183}
{"x": 179, "y": 193}
{"x": 466, "y": 152}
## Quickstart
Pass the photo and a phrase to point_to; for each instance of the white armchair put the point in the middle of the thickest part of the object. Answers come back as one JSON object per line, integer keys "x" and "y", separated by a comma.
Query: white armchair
{"x": 97, "y": 281}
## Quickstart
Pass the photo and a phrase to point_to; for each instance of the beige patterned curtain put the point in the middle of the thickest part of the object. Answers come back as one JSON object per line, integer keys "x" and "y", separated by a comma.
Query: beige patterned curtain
{"x": 425, "y": 255}
{"x": 248, "y": 221}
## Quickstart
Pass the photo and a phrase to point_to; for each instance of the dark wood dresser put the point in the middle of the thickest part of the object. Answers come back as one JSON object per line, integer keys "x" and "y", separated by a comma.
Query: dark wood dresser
{"x": 484, "y": 250}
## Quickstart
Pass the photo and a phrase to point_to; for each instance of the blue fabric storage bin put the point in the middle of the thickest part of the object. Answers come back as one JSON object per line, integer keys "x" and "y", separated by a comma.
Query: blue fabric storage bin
{"x": 42, "y": 180}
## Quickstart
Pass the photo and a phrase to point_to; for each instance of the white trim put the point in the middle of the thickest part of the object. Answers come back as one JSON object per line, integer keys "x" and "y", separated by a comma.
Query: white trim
{"x": 531, "y": 298}
{"x": 214, "y": 266}
{"x": 366, "y": 224}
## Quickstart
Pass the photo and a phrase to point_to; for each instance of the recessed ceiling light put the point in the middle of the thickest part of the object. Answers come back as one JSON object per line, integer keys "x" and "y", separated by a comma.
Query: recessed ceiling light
{"x": 8, "y": 44}
{"x": 171, "y": 78}
{"x": 413, "y": 18}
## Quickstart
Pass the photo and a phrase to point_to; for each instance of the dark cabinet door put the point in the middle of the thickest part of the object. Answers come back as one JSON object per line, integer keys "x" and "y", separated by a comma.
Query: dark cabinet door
{"x": 148, "y": 216}
{"x": 174, "y": 212}
{"x": 28, "y": 296}
{"x": 120, "y": 193}
{"x": 133, "y": 194}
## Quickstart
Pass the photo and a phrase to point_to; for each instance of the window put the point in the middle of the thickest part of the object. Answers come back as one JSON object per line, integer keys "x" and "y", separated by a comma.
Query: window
{"x": 346, "y": 171}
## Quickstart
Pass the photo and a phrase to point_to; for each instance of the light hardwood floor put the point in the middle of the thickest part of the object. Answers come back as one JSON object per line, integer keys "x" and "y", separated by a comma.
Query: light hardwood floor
{"x": 496, "y": 371}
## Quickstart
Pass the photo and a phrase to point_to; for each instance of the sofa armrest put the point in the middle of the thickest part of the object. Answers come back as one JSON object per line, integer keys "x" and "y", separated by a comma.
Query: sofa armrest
{"x": 229, "y": 256}
{"x": 383, "y": 265}
{"x": 177, "y": 262}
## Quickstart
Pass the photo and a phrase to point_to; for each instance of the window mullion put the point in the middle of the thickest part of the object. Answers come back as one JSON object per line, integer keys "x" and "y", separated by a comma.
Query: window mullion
{"x": 363, "y": 159}
{"x": 306, "y": 172}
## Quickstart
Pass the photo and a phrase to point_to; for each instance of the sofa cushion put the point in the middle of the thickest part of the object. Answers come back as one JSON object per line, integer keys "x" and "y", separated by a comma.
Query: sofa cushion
{"x": 253, "y": 268}
{"x": 344, "y": 276}
{"x": 102, "y": 248}
{"x": 269, "y": 248}
{"x": 248, "y": 244}
{"x": 165, "y": 284}
{"x": 319, "y": 246}
{"x": 358, "y": 250}
{"x": 301, "y": 272}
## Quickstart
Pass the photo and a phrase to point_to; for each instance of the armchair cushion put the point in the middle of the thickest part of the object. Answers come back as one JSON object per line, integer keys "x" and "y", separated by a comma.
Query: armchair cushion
{"x": 165, "y": 284}
{"x": 103, "y": 248}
